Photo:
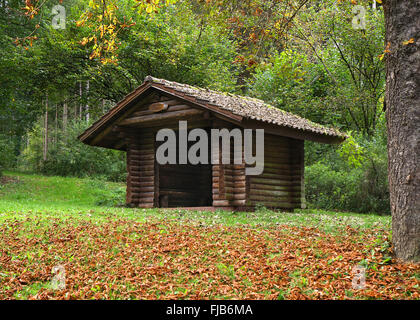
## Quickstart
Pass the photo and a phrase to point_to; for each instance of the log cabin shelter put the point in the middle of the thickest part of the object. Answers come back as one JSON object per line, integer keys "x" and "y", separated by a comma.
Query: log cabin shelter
{"x": 133, "y": 123}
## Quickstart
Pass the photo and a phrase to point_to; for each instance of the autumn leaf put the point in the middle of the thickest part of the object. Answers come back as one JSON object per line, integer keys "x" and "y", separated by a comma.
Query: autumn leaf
{"x": 411, "y": 40}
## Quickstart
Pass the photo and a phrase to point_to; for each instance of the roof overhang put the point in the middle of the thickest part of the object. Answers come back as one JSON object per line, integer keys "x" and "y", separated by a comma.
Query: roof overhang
{"x": 95, "y": 135}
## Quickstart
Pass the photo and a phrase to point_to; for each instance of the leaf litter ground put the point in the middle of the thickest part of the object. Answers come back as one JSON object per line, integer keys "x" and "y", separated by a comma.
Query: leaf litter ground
{"x": 169, "y": 259}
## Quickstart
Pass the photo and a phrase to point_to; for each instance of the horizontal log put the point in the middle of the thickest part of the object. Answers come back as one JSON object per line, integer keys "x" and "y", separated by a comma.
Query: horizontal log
{"x": 140, "y": 179}
{"x": 275, "y": 171}
{"x": 142, "y": 189}
{"x": 161, "y": 116}
{"x": 234, "y": 179}
{"x": 141, "y": 167}
{"x": 273, "y": 193}
{"x": 277, "y": 166}
{"x": 142, "y": 157}
{"x": 141, "y": 162}
{"x": 141, "y": 194}
{"x": 171, "y": 102}
{"x": 142, "y": 152}
{"x": 267, "y": 175}
{"x": 273, "y": 158}
{"x": 238, "y": 202}
{"x": 274, "y": 199}
{"x": 191, "y": 192}
{"x": 139, "y": 141}
{"x": 227, "y": 190}
{"x": 142, "y": 184}
{"x": 261, "y": 186}
{"x": 235, "y": 185}
{"x": 280, "y": 166}
{"x": 239, "y": 196}
{"x": 221, "y": 203}
{"x": 142, "y": 173}
{"x": 170, "y": 107}
{"x": 275, "y": 182}
{"x": 174, "y": 125}
{"x": 179, "y": 107}
{"x": 184, "y": 167}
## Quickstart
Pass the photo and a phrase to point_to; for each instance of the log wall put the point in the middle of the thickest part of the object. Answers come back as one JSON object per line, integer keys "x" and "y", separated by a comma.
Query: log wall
{"x": 141, "y": 170}
{"x": 281, "y": 183}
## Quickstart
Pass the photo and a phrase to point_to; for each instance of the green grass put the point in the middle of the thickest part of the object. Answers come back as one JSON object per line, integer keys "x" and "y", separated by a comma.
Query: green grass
{"x": 30, "y": 195}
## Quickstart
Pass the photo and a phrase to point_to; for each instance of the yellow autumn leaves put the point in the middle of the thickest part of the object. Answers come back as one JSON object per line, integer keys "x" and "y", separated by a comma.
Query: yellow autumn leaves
{"x": 101, "y": 18}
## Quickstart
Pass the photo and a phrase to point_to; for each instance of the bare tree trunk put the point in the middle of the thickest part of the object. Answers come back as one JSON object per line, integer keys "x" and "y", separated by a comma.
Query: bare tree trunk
{"x": 402, "y": 22}
{"x": 75, "y": 109}
{"x": 87, "y": 101}
{"x": 45, "y": 149}
{"x": 65, "y": 115}
{"x": 81, "y": 105}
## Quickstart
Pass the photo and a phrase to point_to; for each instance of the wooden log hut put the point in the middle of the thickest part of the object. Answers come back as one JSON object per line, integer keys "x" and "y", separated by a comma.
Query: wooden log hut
{"x": 133, "y": 123}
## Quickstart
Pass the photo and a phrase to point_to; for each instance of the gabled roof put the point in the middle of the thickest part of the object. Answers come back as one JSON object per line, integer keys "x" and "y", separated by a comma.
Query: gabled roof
{"x": 238, "y": 108}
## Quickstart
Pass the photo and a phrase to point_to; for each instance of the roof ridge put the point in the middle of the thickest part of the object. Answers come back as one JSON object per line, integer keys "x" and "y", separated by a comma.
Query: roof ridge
{"x": 252, "y": 104}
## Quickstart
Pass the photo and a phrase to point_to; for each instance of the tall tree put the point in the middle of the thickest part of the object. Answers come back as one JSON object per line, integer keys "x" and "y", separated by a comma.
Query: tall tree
{"x": 402, "y": 25}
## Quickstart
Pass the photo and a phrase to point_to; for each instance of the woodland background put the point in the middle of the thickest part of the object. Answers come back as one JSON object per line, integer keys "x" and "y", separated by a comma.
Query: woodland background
{"x": 306, "y": 57}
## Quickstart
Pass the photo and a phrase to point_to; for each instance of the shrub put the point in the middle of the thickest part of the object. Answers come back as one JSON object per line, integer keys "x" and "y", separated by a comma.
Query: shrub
{"x": 67, "y": 156}
{"x": 106, "y": 196}
{"x": 6, "y": 153}
{"x": 338, "y": 185}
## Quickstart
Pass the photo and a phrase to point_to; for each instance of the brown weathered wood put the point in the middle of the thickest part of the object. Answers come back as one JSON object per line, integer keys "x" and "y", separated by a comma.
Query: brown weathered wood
{"x": 263, "y": 186}
{"x": 274, "y": 193}
{"x": 162, "y": 116}
{"x": 220, "y": 203}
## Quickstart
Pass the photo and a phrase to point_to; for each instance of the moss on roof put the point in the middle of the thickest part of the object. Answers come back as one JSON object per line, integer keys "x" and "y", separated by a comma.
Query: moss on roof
{"x": 248, "y": 107}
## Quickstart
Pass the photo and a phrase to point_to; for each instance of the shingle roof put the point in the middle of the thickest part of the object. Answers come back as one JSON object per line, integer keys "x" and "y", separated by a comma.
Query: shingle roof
{"x": 233, "y": 106}
{"x": 247, "y": 107}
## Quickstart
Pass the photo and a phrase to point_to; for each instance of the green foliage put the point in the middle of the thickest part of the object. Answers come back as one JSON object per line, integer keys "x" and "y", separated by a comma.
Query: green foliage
{"x": 349, "y": 58}
{"x": 353, "y": 183}
{"x": 6, "y": 153}
{"x": 105, "y": 196}
{"x": 67, "y": 156}
{"x": 352, "y": 152}
{"x": 281, "y": 82}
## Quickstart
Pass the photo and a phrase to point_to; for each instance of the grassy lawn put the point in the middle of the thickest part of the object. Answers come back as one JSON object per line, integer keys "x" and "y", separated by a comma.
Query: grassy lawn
{"x": 111, "y": 252}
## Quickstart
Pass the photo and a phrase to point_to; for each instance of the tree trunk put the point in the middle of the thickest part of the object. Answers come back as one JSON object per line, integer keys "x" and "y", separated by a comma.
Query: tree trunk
{"x": 402, "y": 22}
{"x": 81, "y": 105}
{"x": 65, "y": 115}
{"x": 87, "y": 101}
{"x": 45, "y": 149}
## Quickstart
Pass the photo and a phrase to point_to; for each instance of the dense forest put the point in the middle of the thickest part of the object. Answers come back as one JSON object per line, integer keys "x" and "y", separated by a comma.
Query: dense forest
{"x": 322, "y": 59}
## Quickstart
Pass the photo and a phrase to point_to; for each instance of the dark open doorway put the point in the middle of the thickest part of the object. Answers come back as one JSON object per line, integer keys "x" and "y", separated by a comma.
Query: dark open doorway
{"x": 184, "y": 185}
